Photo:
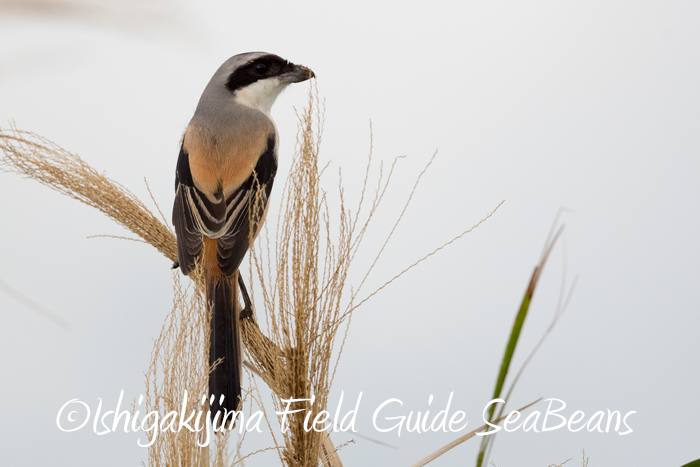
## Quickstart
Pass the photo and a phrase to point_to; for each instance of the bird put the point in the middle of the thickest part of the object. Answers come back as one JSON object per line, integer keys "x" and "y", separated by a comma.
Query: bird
{"x": 223, "y": 180}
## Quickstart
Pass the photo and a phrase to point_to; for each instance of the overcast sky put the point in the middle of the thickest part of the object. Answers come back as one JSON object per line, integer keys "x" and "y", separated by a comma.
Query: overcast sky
{"x": 593, "y": 106}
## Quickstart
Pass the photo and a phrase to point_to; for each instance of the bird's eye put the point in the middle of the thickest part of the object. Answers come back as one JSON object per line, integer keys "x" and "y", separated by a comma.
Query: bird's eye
{"x": 261, "y": 68}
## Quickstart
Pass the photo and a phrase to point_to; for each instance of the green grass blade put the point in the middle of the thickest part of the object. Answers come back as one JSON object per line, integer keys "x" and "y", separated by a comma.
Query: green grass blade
{"x": 513, "y": 341}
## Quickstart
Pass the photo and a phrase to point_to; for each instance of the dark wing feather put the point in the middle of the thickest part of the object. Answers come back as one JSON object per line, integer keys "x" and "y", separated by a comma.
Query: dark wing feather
{"x": 189, "y": 237}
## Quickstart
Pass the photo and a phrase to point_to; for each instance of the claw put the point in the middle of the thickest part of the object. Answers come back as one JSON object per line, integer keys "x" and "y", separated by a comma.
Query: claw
{"x": 247, "y": 313}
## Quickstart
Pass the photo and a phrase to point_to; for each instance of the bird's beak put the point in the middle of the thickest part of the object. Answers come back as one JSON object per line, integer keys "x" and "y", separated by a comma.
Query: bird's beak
{"x": 297, "y": 74}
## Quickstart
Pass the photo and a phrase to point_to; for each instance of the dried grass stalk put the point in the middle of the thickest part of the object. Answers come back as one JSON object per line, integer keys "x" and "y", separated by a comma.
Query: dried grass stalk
{"x": 302, "y": 286}
{"x": 179, "y": 371}
{"x": 428, "y": 459}
{"x": 32, "y": 156}
{"x": 302, "y": 280}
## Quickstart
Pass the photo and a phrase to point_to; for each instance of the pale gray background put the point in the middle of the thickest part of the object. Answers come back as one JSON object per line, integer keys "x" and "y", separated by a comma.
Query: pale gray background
{"x": 588, "y": 105}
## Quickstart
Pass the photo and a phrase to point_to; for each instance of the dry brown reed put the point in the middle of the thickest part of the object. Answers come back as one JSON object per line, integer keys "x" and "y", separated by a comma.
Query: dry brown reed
{"x": 302, "y": 285}
{"x": 428, "y": 459}
{"x": 584, "y": 462}
{"x": 179, "y": 372}
{"x": 32, "y": 156}
{"x": 301, "y": 277}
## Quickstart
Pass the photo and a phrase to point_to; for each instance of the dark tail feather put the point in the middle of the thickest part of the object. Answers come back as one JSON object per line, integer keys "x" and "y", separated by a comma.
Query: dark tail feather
{"x": 225, "y": 344}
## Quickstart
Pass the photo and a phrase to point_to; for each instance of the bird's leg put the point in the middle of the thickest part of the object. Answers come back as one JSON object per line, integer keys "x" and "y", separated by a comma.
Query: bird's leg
{"x": 247, "y": 312}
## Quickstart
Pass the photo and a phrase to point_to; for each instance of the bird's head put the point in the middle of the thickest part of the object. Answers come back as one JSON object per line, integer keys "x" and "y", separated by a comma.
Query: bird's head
{"x": 256, "y": 79}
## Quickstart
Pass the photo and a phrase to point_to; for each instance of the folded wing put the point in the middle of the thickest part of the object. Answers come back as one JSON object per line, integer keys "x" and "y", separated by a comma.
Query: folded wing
{"x": 231, "y": 220}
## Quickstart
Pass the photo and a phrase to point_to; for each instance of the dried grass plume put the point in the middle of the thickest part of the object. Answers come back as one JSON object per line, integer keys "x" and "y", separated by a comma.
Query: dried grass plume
{"x": 300, "y": 275}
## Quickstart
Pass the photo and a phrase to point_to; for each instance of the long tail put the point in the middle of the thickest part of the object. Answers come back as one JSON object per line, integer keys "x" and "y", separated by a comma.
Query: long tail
{"x": 225, "y": 344}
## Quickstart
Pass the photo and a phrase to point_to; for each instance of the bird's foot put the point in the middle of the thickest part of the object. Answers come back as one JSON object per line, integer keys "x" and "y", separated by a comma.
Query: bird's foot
{"x": 247, "y": 313}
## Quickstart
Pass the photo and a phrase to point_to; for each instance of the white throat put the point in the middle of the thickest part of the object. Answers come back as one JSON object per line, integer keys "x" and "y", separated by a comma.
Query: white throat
{"x": 261, "y": 94}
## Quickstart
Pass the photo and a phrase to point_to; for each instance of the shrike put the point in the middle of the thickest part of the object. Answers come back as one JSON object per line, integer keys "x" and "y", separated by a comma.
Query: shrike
{"x": 224, "y": 176}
